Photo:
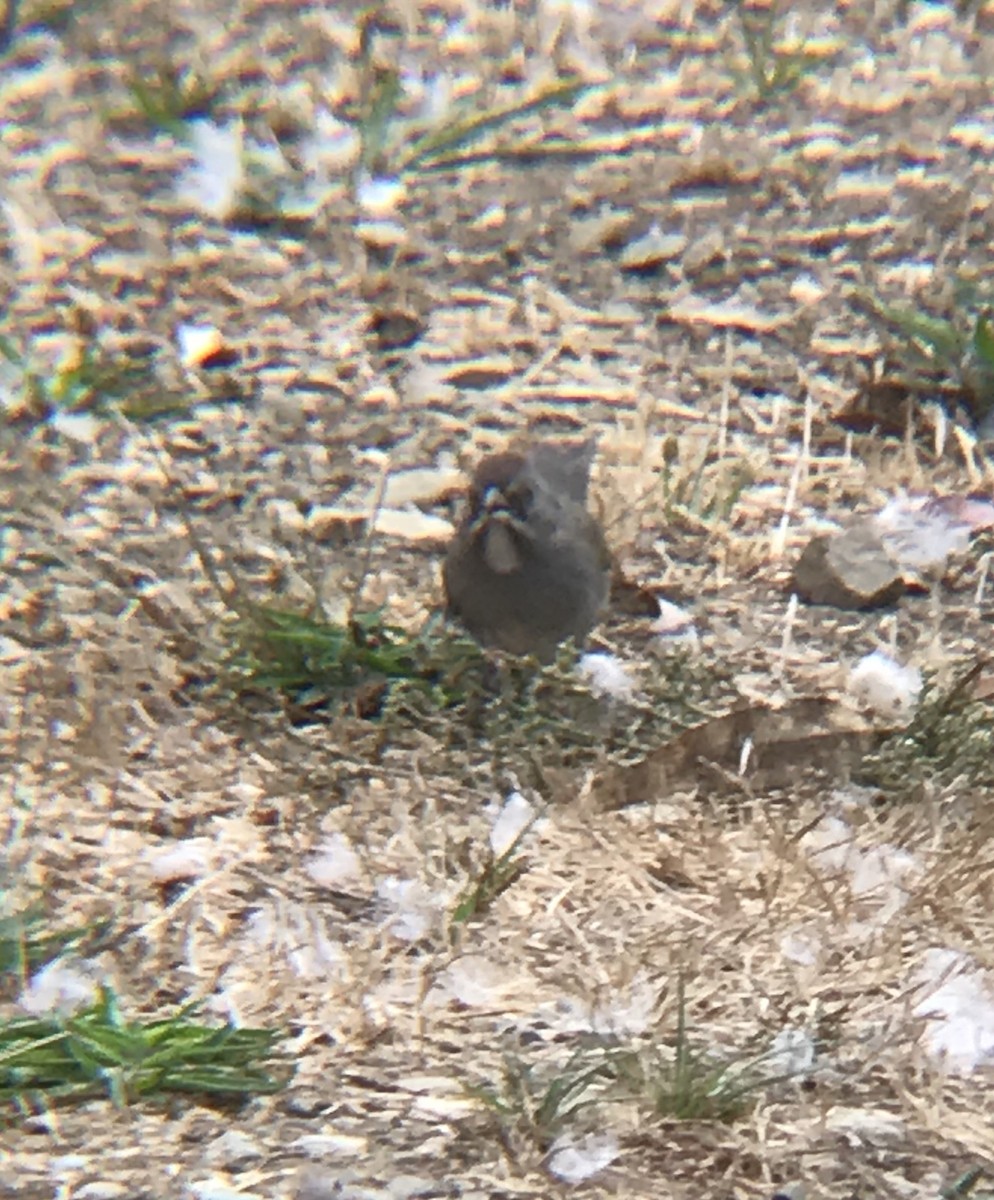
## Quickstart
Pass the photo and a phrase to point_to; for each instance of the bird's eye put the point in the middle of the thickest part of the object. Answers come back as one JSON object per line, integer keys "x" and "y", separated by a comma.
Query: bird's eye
{"x": 474, "y": 500}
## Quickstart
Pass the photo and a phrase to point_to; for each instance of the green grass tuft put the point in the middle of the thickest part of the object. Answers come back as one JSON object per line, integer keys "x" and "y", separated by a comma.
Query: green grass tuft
{"x": 27, "y": 943}
{"x": 168, "y": 96}
{"x": 536, "y": 1102}
{"x": 312, "y": 661}
{"x": 493, "y": 878}
{"x": 100, "y": 1052}
{"x": 965, "y": 1184}
{"x": 952, "y": 349}
{"x": 408, "y": 687}
{"x": 950, "y": 738}
{"x": 771, "y": 70}
{"x": 443, "y": 146}
{"x": 393, "y": 144}
{"x": 92, "y": 379}
{"x": 88, "y": 381}
{"x": 682, "y": 1081}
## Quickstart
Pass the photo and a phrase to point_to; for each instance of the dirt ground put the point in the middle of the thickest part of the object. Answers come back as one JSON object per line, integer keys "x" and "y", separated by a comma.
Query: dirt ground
{"x": 517, "y": 295}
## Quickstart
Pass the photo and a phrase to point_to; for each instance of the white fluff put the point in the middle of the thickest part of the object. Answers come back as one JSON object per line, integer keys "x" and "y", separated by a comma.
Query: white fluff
{"x": 791, "y": 1053}
{"x": 415, "y": 909}
{"x": 606, "y": 676}
{"x": 188, "y": 859}
{"x": 196, "y": 343}
{"x": 335, "y": 863}
{"x": 674, "y": 623}
{"x": 920, "y": 532}
{"x": 880, "y": 683}
{"x": 214, "y": 180}
{"x": 60, "y": 988}
{"x": 512, "y": 820}
{"x": 960, "y": 1009}
{"x": 578, "y": 1161}
{"x": 379, "y": 198}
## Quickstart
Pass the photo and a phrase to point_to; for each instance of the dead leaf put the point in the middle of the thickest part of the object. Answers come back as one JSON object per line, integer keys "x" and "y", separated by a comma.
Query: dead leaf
{"x": 810, "y": 732}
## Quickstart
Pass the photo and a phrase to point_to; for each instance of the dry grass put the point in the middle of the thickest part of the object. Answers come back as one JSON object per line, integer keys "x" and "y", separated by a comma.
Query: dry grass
{"x": 719, "y": 455}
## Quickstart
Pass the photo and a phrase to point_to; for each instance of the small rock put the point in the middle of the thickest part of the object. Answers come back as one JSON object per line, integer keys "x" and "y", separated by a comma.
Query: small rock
{"x": 233, "y": 1151}
{"x": 319, "y": 1184}
{"x": 339, "y": 526}
{"x": 850, "y": 570}
{"x": 607, "y": 228}
{"x": 704, "y": 251}
{"x": 331, "y": 1145}
{"x": 413, "y": 525}
{"x": 305, "y": 1102}
{"x": 422, "y": 485}
{"x": 652, "y": 250}
{"x": 102, "y": 1189}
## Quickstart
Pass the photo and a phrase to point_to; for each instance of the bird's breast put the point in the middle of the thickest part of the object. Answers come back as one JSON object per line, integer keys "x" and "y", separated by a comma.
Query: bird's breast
{"x": 501, "y": 548}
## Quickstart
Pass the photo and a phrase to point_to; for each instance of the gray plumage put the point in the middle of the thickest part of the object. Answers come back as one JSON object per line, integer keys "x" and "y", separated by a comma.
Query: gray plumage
{"x": 528, "y": 567}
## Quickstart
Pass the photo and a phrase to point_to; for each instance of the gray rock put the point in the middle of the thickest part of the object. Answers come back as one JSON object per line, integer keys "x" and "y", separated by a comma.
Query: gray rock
{"x": 850, "y": 570}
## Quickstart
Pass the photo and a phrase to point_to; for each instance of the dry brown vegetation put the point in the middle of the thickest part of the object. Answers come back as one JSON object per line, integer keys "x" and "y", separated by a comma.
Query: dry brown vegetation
{"x": 713, "y": 369}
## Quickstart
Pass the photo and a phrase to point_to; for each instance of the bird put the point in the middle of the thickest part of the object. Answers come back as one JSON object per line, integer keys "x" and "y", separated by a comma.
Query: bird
{"x": 528, "y": 567}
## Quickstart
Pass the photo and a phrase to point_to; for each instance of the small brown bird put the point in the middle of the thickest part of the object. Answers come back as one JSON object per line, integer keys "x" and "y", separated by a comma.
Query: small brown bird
{"x": 528, "y": 567}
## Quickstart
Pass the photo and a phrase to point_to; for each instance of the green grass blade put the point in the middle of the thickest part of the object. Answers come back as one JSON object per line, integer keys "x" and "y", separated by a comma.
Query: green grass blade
{"x": 983, "y": 340}
{"x": 99, "y": 1052}
{"x": 375, "y": 125}
{"x": 220, "y": 1081}
{"x": 460, "y": 133}
{"x": 941, "y": 337}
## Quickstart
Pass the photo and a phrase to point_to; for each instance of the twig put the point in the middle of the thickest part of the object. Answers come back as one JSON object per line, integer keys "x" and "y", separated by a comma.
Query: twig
{"x": 360, "y": 583}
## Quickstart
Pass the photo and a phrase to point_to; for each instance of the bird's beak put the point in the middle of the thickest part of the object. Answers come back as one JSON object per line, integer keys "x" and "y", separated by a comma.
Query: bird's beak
{"x": 493, "y": 500}
{"x": 494, "y": 510}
